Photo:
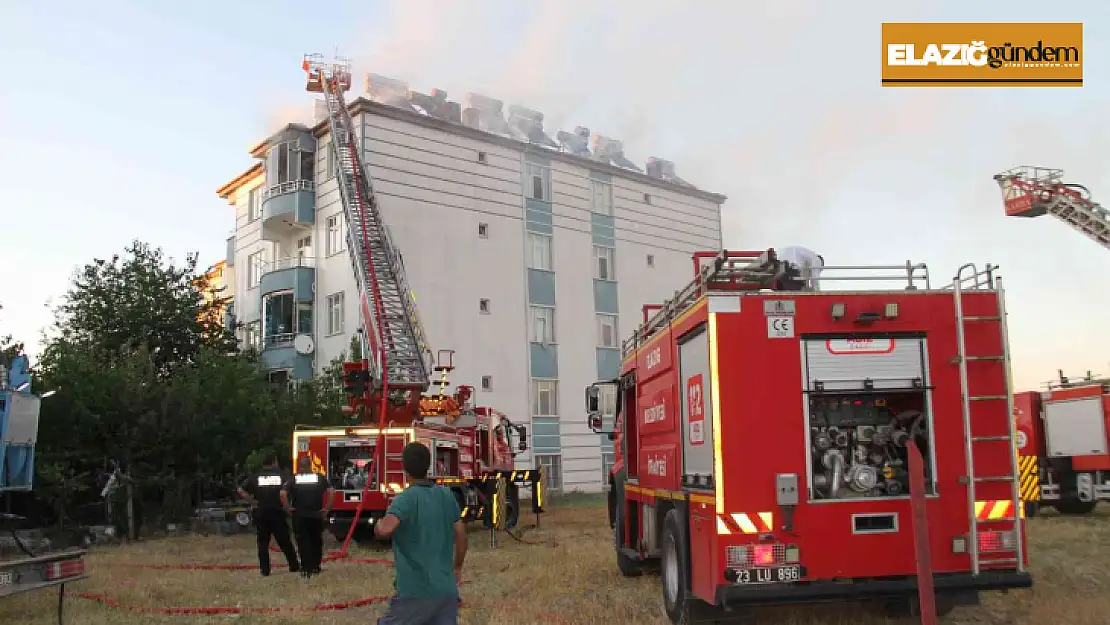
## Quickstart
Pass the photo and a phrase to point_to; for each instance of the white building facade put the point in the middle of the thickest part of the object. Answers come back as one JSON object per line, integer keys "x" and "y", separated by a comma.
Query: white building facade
{"x": 530, "y": 259}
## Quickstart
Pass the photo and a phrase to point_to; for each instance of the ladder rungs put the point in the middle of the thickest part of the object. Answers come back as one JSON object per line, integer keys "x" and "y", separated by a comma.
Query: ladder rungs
{"x": 997, "y": 561}
{"x": 981, "y": 318}
{"x": 995, "y": 478}
{"x": 977, "y": 439}
{"x": 1004, "y": 519}
{"x": 996, "y": 358}
{"x": 987, "y": 397}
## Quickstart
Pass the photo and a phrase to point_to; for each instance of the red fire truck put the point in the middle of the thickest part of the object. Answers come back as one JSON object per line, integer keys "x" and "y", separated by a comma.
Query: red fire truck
{"x": 782, "y": 443}
{"x": 1062, "y": 440}
{"x": 388, "y": 389}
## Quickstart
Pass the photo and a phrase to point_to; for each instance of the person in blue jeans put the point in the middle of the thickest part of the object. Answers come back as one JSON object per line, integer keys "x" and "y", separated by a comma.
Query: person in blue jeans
{"x": 429, "y": 546}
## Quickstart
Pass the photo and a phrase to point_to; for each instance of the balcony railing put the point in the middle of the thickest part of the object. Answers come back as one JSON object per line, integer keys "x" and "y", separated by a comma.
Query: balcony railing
{"x": 288, "y": 187}
{"x": 289, "y": 263}
{"x": 278, "y": 340}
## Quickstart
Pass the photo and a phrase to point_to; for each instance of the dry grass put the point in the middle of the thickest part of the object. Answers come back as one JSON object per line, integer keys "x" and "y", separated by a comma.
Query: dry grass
{"x": 568, "y": 577}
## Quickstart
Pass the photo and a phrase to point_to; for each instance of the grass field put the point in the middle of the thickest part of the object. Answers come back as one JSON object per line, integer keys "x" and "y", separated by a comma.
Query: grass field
{"x": 567, "y": 576}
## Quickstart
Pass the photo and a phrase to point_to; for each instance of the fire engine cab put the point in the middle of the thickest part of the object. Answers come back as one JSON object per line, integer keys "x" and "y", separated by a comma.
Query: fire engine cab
{"x": 1062, "y": 439}
{"x": 780, "y": 442}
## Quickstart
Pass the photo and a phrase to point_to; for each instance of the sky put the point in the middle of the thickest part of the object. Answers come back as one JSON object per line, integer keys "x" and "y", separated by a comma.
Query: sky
{"x": 121, "y": 119}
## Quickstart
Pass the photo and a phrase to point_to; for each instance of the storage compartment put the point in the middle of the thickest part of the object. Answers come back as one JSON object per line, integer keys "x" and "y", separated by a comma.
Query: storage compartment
{"x": 1075, "y": 427}
{"x": 858, "y": 443}
{"x": 864, "y": 363}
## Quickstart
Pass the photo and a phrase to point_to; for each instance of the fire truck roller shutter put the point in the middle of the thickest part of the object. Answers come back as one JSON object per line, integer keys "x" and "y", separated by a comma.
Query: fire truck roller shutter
{"x": 695, "y": 407}
{"x": 867, "y": 399}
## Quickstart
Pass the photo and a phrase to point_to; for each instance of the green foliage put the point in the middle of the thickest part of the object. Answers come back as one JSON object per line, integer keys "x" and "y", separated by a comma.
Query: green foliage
{"x": 356, "y": 349}
{"x": 144, "y": 380}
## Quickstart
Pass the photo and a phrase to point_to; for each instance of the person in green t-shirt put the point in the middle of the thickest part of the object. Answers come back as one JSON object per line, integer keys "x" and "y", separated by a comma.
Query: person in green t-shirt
{"x": 429, "y": 546}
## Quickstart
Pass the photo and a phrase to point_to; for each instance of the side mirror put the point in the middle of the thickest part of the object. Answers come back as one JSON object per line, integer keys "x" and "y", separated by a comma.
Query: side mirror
{"x": 593, "y": 399}
{"x": 594, "y": 421}
{"x": 522, "y": 442}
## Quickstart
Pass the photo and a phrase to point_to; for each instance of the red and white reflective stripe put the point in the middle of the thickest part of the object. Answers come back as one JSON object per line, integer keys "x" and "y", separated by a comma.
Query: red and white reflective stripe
{"x": 744, "y": 523}
{"x": 64, "y": 569}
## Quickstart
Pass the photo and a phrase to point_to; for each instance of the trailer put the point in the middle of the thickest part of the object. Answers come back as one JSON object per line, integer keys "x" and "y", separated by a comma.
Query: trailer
{"x": 779, "y": 441}
{"x": 1063, "y": 444}
{"x": 31, "y": 558}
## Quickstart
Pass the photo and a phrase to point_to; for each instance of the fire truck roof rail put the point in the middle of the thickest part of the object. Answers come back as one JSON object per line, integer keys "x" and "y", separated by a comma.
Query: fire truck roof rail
{"x": 1064, "y": 381}
{"x": 757, "y": 271}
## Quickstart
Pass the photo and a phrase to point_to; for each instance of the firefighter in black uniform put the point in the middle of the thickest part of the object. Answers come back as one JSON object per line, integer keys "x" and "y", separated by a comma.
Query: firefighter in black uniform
{"x": 309, "y": 495}
{"x": 263, "y": 490}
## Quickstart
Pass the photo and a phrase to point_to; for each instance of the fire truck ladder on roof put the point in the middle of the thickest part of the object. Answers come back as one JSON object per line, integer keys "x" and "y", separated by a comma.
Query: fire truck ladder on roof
{"x": 388, "y": 307}
{"x": 977, "y": 280}
{"x": 1034, "y": 191}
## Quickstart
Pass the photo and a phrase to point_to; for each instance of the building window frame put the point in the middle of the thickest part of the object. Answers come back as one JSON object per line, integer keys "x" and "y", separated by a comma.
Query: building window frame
{"x": 254, "y": 204}
{"x": 537, "y": 182}
{"x": 601, "y": 197}
{"x": 256, "y": 263}
{"x": 335, "y": 238}
{"x": 604, "y": 258}
{"x": 541, "y": 324}
{"x": 336, "y": 319}
{"x": 553, "y": 470}
{"x": 541, "y": 253}
{"x": 607, "y": 325}
{"x": 545, "y": 397}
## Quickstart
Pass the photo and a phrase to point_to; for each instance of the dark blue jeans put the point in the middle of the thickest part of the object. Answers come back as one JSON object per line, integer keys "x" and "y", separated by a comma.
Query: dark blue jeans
{"x": 421, "y": 611}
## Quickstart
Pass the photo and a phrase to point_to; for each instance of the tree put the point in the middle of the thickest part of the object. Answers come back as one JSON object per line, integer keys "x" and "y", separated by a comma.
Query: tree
{"x": 143, "y": 299}
{"x": 356, "y": 348}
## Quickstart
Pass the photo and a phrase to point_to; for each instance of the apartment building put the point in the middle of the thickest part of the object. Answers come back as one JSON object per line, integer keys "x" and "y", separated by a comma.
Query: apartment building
{"x": 529, "y": 256}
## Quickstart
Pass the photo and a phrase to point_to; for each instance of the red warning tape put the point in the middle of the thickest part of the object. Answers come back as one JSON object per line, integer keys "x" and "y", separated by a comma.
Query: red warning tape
{"x": 246, "y": 567}
{"x": 319, "y": 607}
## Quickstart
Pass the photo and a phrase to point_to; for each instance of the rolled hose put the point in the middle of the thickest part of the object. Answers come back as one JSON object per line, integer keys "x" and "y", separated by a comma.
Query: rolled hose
{"x": 835, "y": 463}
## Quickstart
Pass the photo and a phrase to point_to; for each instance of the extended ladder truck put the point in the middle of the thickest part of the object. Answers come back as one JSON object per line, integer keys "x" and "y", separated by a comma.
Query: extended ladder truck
{"x": 1063, "y": 436}
{"x": 388, "y": 394}
{"x": 780, "y": 443}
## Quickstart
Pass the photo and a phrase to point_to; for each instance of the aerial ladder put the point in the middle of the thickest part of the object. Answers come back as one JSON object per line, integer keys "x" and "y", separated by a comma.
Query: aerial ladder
{"x": 1034, "y": 191}
{"x": 397, "y": 364}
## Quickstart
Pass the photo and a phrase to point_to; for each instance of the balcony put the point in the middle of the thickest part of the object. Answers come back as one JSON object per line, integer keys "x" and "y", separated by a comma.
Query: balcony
{"x": 279, "y": 354}
{"x": 296, "y": 275}
{"x": 288, "y": 204}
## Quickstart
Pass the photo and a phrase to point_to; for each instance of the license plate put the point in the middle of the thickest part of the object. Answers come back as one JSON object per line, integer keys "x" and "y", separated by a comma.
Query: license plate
{"x": 772, "y": 575}
{"x": 6, "y": 578}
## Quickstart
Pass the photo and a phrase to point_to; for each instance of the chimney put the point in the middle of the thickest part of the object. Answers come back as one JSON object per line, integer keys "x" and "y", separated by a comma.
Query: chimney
{"x": 385, "y": 90}
{"x": 529, "y": 123}
{"x": 436, "y": 105}
{"x": 490, "y": 116}
{"x": 574, "y": 143}
{"x": 611, "y": 151}
{"x": 664, "y": 170}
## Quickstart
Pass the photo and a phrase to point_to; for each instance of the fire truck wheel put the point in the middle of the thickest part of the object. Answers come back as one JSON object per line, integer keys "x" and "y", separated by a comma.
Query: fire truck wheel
{"x": 674, "y": 571}
{"x": 1074, "y": 506}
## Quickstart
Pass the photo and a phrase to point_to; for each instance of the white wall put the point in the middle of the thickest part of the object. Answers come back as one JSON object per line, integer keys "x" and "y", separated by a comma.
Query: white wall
{"x": 248, "y": 240}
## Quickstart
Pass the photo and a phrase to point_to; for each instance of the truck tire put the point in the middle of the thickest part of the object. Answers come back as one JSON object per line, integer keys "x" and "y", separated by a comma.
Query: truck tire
{"x": 626, "y": 565}
{"x": 512, "y": 506}
{"x": 675, "y": 572}
{"x": 1032, "y": 509}
{"x": 1074, "y": 506}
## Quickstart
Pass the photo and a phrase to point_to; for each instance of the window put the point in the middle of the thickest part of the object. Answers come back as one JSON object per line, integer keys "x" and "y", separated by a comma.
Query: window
{"x": 607, "y": 331}
{"x": 336, "y": 239}
{"x": 278, "y": 319}
{"x": 304, "y": 317}
{"x": 541, "y": 325}
{"x": 553, "y": 471}
{"x": 537, "y": 182}
{"x": 482, "y": 157}
{"x": 487, "y": 382}
{"x": 603, "y": 263}
{"x": 602, "y": 197}
{"x": 254, "y": 203}
{"x": 545, "y": 398}
{"x": 250, "y": 335}
{"x": 651, "y": 260}
{"x": 539, "y": 251}
{"x": 329, "y": 163}
{"x": 483, "y": 231}
{"x": 647, "y": 198}
{"x": 254, "y": 269}
{"x": 284, "y": 169}
{"x": 608, "y": 458}
{"x": 334, "y": 306}
{"x": 304, "y": 250}
{"x": 483, "y": 306}
{"x": 308, "y": 165}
